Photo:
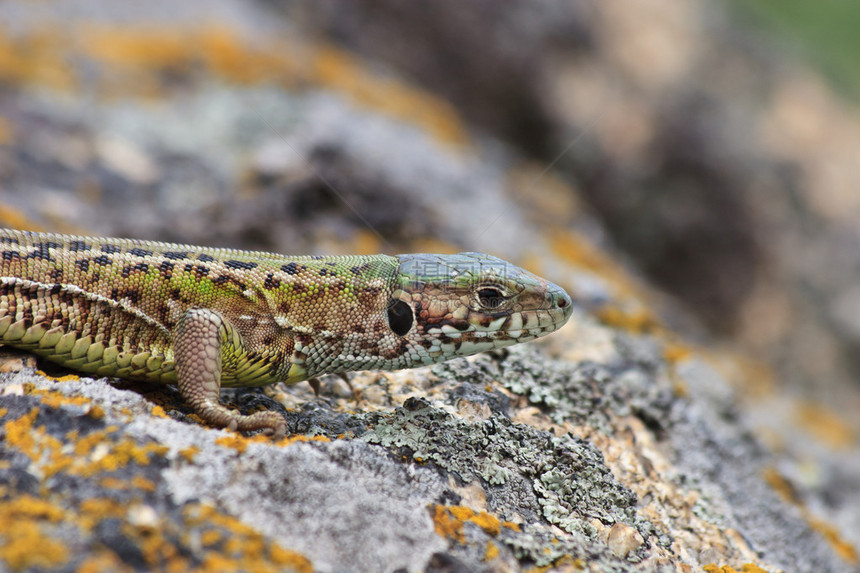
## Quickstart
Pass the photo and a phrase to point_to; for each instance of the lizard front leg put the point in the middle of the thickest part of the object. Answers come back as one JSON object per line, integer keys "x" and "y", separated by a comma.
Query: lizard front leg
{"x": 201, "y": 338}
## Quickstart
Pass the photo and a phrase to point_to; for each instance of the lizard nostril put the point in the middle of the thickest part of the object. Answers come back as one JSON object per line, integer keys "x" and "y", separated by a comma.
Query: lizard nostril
{"x": 562, "y": 303}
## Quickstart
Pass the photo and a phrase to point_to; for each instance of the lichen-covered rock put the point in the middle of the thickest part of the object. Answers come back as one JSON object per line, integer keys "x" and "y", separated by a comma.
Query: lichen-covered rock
{"x": 617, "y": 444}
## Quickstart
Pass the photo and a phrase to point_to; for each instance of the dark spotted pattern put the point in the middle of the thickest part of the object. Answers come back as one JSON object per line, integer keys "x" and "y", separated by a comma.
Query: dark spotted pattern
{"x": 285, "y": 318}
{"x": 244, "y": 265}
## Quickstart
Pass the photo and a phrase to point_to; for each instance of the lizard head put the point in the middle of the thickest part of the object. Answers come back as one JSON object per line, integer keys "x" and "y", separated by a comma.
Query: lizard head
{"x": 457, "y": 305}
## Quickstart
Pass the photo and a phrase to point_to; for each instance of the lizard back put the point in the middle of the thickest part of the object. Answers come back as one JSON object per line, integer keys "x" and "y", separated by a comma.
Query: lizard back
{"x": 115, "y": 302}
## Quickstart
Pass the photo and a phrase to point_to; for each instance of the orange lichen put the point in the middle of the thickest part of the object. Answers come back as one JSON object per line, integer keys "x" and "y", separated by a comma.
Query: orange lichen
{"x": 432, "y": 245}
{"x": 638, "y": 321}
{"x": 782, "y": 486}
{"x": 574, "y": 248}
{"x": 11, "y": 217}
{"x": 25, "y": 547}
{"x": 50, "y": 457}
{"x": 136, "y": 482}
{"x": 240, "y": 443}
{"x": 236, "y": 441}
{"x": 139, "y": 49}
{"x": 245, "y": 548}
{"x": 188, "y": 453}
{"x": 843, "y": 548}
{"x": 103, "y": 560}
{"x": 675, "y": 352}
{"x": 745, "y": 568}
{"x": 210, "y": 537}
{"x": 23, "y": 544}
{"x": 119, "y": 455}
{"x": 491, "y": 551}
{"x": 298, "y": 438}
{"x": 826, "y": 425}
{"x": 65, "y": 378}
{"x": 448, "y": 521}
{"x": 143, "y": 61}
{"x": 446, "y": 525}
{"x": 94, "y": 510}
{"x": 563, "y": 563}
{"x": 291, "y": 559}
{"x": 30, "y": 441}
{"x": 343, "y": 72}
{"x": 787, "y": 492}
{"x": 229, "y": 56}
{"x": 36, "y": 58}
{"x": 159, "y": 412}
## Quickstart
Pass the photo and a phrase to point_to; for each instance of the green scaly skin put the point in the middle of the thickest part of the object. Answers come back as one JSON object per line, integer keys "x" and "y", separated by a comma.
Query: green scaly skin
{"x": 204, "y": 318}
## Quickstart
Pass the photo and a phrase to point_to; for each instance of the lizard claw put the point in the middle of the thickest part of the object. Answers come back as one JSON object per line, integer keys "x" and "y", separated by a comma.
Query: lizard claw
{"x": 315, "y": 385}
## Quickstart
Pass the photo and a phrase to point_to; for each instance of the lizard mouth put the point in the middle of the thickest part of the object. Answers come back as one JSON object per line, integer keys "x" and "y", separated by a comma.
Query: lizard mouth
{"x": 487, "y": 332}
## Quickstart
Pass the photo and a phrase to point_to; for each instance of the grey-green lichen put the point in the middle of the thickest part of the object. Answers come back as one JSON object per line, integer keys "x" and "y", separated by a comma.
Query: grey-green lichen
{"x": 567, "y": 475}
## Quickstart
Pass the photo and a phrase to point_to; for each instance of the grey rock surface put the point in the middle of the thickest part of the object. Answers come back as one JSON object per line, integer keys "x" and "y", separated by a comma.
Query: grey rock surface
{"x": 616, "y": 444}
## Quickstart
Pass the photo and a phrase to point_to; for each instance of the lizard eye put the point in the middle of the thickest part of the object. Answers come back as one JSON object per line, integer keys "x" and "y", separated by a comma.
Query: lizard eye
{"x": 490, "y": 297}
{"x": 400, "y": 317}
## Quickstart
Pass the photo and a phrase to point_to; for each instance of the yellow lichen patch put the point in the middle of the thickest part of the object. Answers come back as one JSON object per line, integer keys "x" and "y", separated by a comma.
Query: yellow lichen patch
{"x": 159, "y": 412}
{"x": 56, "y": 399}
{"x": 32, "y": 442}
{"x": 64, "y": 378}
{"x": 448, "y": 521}
{"x": 11, "y": 217}
{"x": 511, "y": 525}
{"x": 745, "y": 568}
{"x": 638, "y": 321}
{"x": 188, "y": 453}
{"x": 446, "y": 525}
{"x": 140, "y": 61}
{"x": 96, "y": 452}
{"x": 138, "y": 49}
{"x": 365, "y": 242}
{"x": 119, "y": 455}
{"x": 235, "y": 441}
{"x": 782, "y": 486}
{"x": 826, "y": 425}
{"x": 675, "y": 352}
{"x": 229, "y": 56}
{"x": 37, "y": 58}
{"x": 491, "y": 552}
{"x": 28, "y": 507}
{"x": 94, "y": 510}
{"x": 786, "y": 491}
{"x": 489, "y": 523}
{"x": 103, "y": 560}
{"x": 240, "y": 443}
{"x": 343, "y": 72}
{"x": 843, "y": 548}
{"x": 433, "y": 245}
{"x": 563, "y": 563}
{"x": 297, "y": 438}
{"x": 136, "y": 482}
{"x": 23, "y": 544}
{"x": 245, "y": 549}
{"x": 291, "y": 559}
{"x": 572, "y": 247}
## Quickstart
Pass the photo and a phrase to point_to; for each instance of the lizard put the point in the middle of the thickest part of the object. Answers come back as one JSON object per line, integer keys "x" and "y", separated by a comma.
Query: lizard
{"x": 202, "y": 318}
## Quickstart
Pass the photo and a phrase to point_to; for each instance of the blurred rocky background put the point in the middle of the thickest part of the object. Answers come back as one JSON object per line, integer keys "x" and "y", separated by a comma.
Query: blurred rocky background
{"x": 688, "y": 170}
